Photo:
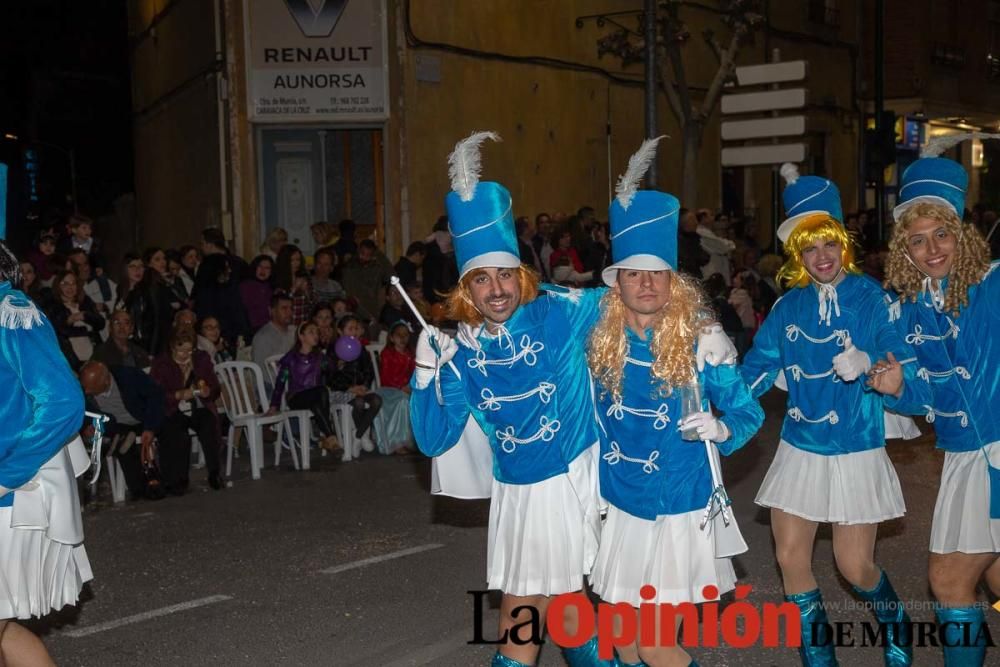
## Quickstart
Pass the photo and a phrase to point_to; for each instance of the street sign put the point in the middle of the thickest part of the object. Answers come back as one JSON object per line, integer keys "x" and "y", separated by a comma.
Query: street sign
{"x": 745, "y": 156}
{"x": 755, "y": 75}
{"x": 763, "y": 128}
{"x": 771, "y": 100}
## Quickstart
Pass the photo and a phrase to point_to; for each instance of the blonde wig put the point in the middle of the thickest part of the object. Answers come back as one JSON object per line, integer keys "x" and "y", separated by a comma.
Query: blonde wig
{"x": 672, "y": 344}
{"x": 815, "y": 228}
{"x": 972, "y": 257}
{"x": 458, "y": 301}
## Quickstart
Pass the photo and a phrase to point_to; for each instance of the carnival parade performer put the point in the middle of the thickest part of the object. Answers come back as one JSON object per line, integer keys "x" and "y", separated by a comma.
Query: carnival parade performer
{"x": 43, "y": 564}
{"x": 831, "y": 465}
{"x": 949, "y": 311}
{"x": 657, "y": 483}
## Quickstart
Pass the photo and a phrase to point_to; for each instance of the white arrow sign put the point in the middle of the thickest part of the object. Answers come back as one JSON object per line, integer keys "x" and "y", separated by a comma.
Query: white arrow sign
{"x": 745, "y": 156}
{"x": 762, "y": 128}
{"x": 771, "y": 100}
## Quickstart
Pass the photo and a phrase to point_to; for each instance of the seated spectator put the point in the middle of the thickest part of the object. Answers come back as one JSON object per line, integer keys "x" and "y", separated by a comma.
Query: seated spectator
{"x": 408, "y": 267}
{"x": 217, "y": 294}
{"x": 135, "y": 404}
{"x": 340, "y": 308}
{"x": 396, "y": 365}
{"x": 322, "y": 316}
{"x": 302, "y": 373}
{"x": 325, "y": 288}
{"x": 277, "y": 336}
{"x": 291, "y": 278}
{"x": 32, "y": 286}
{"x": 276, "y": 239}
{"x": 190, "y": 259}
{"x": 39, "y": 256}
{"x": 598, "y": 255}
{"x": 81, "y": 236}
{"x": 256, "y": 291}
{"x": 365, "y": 277}
{"x": 211, "y": 342}
{"x": 324, "y": 234}
{"x": 119, "y": 349}
{"x": 176, "y": 268}
{"x": 741, "y": 298}
{"x": 173, "y": 277}
{"x": 562, "y": 241}
{"x": 351, "y": 381}
{"x": 191, "y": 389}
{"x": 100, "y": 289}
{"x": 394, "y": 309}
{"x": 75, "y": 319}
{"x": 184, "y": 319}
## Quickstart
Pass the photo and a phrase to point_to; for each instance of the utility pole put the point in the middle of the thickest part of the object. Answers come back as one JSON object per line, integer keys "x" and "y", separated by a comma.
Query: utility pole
{"x": 650, "y": 57}
{"x": 879, "y": 107}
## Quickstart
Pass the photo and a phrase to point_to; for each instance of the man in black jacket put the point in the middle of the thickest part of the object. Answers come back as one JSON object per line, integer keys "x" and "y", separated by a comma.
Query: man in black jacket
{"x": 135, "y": 404}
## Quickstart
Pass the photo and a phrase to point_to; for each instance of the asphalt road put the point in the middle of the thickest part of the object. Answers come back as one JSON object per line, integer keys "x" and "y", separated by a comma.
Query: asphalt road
{"x": 356, "y": 564}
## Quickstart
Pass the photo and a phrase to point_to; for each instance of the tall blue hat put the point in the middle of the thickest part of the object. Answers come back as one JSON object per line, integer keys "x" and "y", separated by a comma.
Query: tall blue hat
{"x": 480, "y": 214}
{"x": 643, "y": 222}
{"x": 936, "y": 180}
{"x": 805, "y": 196}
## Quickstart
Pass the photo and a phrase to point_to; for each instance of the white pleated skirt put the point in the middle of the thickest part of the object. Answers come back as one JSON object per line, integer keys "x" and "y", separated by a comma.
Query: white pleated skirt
{"x": 543, "y": 537}
{"x": 856, "y": 488}
{"x": 672, "y": 554}
{"x": 37, "y": 574}
{"x": 962, "y": 511}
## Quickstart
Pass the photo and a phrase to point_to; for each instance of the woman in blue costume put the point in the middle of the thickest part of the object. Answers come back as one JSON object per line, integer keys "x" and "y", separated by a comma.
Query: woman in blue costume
{"x": 43, "y": 564}
{"x": 657, "y": 483}
{"x": 949, "y": 311}
{"x": 831, "y": 465}
{"x": 524, "y": 382}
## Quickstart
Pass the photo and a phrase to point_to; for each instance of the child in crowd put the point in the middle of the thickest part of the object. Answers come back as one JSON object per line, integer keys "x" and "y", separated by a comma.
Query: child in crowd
{"x": 81, "y": 235}
{"x": 40, "y": 257}
{"x": 302, "y": 373}
{"x": 340, "y": 308}
{"x": 396, "y": 365}
{"x": 322, "y": 315}
{"x": 350, "y": 381}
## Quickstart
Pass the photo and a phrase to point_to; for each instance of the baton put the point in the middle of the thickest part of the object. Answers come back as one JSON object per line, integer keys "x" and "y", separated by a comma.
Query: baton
{"x": 394, "y": 280}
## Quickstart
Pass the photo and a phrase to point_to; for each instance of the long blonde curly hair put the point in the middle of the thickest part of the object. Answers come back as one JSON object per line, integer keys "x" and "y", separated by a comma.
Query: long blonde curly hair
{"x": 972, "y": 258}
{"x": 818, "y": 227}
{"x": 672, "y": 345}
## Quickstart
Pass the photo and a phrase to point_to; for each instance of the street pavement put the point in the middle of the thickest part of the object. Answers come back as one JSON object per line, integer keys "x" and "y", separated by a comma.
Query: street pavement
{"x": 356, "y": 564}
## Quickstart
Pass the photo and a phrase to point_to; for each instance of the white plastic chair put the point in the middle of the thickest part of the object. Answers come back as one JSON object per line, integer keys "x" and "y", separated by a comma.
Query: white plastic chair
{"x": 374, "y": 353}
{"x": 116, "y": 479}
{"x": 247, "y": 405}
{"x": 271, "y": 369}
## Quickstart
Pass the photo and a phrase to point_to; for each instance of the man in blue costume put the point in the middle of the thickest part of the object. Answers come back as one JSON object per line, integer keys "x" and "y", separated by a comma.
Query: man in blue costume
{"x": 41, "y": 410}
{"x": 642, "y": 353}
{"x": 831, "y": 465}
{"x": 949, "y": 311}
{"x": 524, "y": 382}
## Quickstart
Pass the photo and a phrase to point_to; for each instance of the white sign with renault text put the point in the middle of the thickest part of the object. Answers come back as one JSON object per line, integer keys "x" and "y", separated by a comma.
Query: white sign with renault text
{"x": 317, "y": 60}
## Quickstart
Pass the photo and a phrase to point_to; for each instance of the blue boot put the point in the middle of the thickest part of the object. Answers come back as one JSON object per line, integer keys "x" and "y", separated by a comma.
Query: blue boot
{"x": 820, "y": 654}
{"x": 893, "y": 617}
{"x": 618, "y": 662}
{"x": 962, "y": 633}
{"x": 500, "y": 660}
{"x": 586, "y": 656}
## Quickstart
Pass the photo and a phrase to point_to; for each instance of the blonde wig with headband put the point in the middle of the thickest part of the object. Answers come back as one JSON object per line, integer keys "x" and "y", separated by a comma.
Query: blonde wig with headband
{"x": 972, "y": 257}
{"x": 672, "y": 345}
{"x": 458, "y": 301}
{"x": 812, "y": 229}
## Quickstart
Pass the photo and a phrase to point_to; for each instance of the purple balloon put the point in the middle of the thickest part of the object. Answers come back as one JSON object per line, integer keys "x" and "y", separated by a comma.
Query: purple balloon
{"x": 348, "y": 348}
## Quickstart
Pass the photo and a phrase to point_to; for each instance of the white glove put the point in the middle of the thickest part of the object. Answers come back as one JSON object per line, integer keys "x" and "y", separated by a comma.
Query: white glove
{"x": 715, "y": 348}
{"x": 428, "y": 358}
{"x": 469, "y": 335}
{"x": 708, "y": 426}
{"x": 851, "y": 363}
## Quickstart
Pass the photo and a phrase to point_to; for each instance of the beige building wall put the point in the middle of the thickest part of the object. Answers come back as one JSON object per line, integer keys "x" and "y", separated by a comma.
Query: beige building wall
{"x": 554, "y": 118}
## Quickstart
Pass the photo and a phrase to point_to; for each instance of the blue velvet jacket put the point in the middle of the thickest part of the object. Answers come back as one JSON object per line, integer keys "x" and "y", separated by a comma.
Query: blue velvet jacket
{"x": 528, "y": 388}
{"x": 824, "y": 414}
{"x": 960, "y": 359}
{"x": 647, "y": 469}
{"x": 42, "y": 406}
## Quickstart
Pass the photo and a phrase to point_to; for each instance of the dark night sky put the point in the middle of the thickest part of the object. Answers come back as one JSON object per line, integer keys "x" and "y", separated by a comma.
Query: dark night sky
{"x": 64, "y": 79}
